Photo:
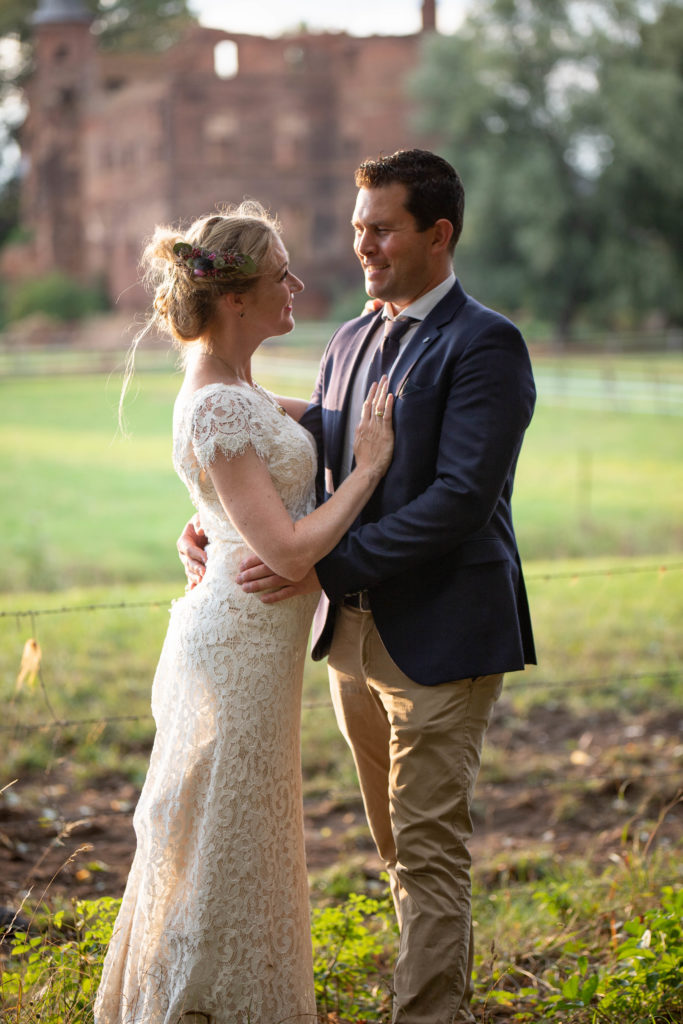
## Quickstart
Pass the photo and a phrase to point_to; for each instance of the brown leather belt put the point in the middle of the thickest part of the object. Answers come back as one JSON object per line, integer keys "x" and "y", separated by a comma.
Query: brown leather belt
{"x": 359, "y": 600}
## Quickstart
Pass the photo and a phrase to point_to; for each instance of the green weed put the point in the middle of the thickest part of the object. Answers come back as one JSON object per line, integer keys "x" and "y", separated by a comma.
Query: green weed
{"x": 588, "y": 949}
{"x": 591, "y": 954}
{"x": 350, "y": 942}
{"x": 642, "y": 982}
{"x": 53, "y": 976}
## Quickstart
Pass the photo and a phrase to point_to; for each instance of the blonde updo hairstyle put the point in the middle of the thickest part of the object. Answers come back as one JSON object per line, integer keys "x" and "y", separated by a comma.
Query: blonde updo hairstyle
{"x": 183, "y": 304}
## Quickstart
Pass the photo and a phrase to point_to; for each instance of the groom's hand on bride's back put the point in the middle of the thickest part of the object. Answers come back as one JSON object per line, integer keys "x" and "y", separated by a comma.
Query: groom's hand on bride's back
{"x": 255, "y": 577}
{"x": 191, "y": 544}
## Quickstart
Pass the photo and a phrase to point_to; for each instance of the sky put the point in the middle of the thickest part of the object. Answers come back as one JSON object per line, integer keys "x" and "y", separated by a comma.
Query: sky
{"x": 358, "y": 17}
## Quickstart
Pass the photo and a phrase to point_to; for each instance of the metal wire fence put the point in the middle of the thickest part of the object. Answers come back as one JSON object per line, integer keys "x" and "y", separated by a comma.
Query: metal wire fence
{"x": 23, "y": 723}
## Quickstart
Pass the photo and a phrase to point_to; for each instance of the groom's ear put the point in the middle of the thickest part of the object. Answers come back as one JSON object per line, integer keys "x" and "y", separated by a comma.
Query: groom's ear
{"x": 442, "y": 234}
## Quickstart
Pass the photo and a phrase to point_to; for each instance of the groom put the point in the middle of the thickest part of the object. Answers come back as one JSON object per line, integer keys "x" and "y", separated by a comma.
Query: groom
{"x": 423, "y": 605}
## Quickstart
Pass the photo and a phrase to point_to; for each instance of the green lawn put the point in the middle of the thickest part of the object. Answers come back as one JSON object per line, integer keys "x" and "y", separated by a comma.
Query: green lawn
{"x": 83, "y": 504}
{"x": 91, "y": 517}
{"x": 604, "y": 640}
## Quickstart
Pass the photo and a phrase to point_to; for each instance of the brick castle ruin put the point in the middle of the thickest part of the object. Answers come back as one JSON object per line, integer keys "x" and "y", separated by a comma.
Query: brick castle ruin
{"x": 115, "y": 143}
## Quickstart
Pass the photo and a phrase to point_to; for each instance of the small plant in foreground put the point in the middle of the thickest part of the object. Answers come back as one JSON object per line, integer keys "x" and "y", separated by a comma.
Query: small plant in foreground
{"x": 348, "y": 944}
{"x": 649, "y": 980}
{"x": 53, "y": 977}
{"x": 641, "y": 983}
{"x": 603, "y": 967}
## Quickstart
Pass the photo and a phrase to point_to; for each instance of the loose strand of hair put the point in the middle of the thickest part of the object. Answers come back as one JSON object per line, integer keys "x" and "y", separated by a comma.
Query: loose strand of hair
{"x": 129, "y": 371}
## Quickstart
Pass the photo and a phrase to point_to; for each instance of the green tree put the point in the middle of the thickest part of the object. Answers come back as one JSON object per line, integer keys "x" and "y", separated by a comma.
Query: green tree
{"x": 563, "y": 119}
{"x": 121, "y": 24}
{"x": 9, "y": 208}
{"x": 640, "y": 103}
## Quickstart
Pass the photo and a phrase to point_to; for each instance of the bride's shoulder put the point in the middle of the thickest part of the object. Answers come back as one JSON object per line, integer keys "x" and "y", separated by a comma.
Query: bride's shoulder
{"x": 212, "y": 396}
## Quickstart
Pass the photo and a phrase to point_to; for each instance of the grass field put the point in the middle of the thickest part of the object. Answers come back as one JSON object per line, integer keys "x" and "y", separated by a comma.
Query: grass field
{"x": 90, "y": 518}
{"x": 585, "y": 752}
{"x": 84, "y": 505}
{"x": 603, "y": 639}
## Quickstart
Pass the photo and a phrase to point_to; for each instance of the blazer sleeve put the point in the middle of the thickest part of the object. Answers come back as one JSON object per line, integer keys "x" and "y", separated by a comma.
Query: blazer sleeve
{"x": 312, "y": 420}
{"x": 489, "y": 402}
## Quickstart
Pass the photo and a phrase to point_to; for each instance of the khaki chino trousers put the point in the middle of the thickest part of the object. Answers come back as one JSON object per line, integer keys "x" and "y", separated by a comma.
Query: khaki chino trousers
{"x": 417, "y": 751}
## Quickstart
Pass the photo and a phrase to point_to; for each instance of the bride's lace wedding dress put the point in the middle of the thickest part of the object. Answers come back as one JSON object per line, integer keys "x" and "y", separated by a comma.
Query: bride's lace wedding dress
{"x": 215, "y": 915}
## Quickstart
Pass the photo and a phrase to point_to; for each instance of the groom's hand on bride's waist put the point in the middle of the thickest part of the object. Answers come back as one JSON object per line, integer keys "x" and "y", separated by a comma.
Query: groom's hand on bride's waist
{"x": 255, "y": 577}
{"x": 190, "y": 545}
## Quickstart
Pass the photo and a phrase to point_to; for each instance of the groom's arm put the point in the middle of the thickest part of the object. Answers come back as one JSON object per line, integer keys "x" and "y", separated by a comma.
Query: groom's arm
{"x": 489, "y": 406}
{"x": 255, "y": 577}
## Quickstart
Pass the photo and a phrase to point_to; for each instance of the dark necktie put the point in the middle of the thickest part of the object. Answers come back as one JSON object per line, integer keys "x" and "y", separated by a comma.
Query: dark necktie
{"x": 386, "y": 352}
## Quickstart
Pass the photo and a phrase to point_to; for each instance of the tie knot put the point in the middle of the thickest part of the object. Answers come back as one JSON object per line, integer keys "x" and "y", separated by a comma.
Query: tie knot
{"x": 388, "y": 350}
{"x": 398, "y": 327}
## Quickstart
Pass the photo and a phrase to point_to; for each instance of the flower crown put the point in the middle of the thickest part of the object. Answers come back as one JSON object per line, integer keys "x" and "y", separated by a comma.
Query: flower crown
{"x": 221, "y": 265}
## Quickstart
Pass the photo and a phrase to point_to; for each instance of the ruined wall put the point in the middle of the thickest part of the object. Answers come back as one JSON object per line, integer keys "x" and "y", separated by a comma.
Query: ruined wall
{"x": 163, "y": 137}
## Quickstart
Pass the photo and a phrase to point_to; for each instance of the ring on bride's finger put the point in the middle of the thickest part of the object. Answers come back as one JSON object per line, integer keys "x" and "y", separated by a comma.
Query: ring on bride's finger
{"x": 379, "y": 413}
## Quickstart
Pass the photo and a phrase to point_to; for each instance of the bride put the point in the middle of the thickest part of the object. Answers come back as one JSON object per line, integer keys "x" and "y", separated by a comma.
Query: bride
{"x": 214, "y": 922}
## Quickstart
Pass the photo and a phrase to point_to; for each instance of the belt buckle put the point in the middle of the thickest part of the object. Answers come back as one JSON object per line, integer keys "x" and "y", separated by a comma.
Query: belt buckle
{"x": 359, "y": 600}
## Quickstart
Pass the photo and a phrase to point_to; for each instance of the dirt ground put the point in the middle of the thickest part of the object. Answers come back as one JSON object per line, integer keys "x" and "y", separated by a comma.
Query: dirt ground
{"x": 554, "y": 786}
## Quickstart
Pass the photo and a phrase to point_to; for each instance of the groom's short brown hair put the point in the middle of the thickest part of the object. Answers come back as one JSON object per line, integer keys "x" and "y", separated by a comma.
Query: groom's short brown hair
{"x": 435, "y": 190}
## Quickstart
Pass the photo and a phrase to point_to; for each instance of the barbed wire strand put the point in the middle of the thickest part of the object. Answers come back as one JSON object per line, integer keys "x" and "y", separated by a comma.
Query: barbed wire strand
{"x": 623, "y": 778}
{"x": 606, "y": 683}
{"x": 163, "y": 604}
{"x": 23, "y": 613}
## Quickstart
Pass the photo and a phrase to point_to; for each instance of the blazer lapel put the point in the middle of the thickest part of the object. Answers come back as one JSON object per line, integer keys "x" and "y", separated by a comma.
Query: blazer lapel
{"x": 414, "y": 350}
{"x": 426, "y": 334}
{"x": 338, "y": 390}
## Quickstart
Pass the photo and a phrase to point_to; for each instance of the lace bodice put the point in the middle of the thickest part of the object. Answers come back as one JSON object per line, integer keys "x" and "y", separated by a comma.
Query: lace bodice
{"x": 229, "y": 418}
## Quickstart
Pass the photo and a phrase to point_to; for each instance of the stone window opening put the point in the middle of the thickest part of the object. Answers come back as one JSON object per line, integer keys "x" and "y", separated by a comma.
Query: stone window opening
{"x": 226, "y": 59}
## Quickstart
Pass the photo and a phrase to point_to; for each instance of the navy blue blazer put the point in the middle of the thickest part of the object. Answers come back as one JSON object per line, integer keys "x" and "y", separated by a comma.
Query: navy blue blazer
{"x": 435, "y": 546}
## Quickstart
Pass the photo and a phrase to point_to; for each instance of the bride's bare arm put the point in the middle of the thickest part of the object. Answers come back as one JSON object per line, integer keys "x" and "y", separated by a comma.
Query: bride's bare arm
{"x": 255, "y": 508}
{"x": 296, "y": 407}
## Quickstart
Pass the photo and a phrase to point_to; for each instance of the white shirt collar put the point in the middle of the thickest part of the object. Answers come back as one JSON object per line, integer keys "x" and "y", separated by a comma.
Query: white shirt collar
{"x": 423, "y": 306}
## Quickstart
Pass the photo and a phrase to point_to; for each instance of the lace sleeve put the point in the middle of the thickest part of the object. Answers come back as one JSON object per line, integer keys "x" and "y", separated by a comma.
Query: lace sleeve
{"x": 225, "y": 419}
